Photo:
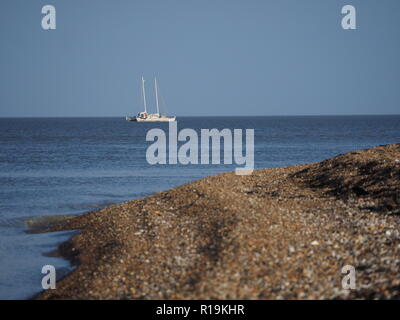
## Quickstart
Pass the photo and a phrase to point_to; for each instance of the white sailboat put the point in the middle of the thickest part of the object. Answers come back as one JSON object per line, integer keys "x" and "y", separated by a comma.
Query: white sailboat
{"x": 151, "y": 117}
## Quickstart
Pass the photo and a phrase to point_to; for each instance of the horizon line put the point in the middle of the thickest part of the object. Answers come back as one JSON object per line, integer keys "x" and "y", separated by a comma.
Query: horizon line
{"x": 215, "y": 116}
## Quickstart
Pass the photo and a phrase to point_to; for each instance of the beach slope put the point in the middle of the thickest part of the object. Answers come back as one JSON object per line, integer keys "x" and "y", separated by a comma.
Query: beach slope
{"x": 278, "y": 233}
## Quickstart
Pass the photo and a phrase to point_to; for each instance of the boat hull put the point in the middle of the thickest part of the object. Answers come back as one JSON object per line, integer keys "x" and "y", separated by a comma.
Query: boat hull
{"x": 160, "y": 119}
{"x": 163, "y": 119}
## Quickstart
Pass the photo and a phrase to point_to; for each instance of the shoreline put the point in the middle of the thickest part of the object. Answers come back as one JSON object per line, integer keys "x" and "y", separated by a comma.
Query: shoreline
{"x": 278, "y": 233}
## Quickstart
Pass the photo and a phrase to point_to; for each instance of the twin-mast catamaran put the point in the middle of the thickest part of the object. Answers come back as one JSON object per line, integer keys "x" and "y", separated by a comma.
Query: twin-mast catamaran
{"x": 151, "y": 117}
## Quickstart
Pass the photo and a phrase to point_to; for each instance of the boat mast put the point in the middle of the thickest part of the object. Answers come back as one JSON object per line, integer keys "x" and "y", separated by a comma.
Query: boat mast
{"x": 156, "y": 88}
{"x": 144, "y": 95}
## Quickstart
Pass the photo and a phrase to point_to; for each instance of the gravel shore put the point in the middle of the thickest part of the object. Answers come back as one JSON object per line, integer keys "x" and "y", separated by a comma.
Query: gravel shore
{"x": 279, "y": 233}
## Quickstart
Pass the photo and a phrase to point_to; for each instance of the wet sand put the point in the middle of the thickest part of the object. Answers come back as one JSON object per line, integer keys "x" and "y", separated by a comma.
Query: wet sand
{"x": 278, "y": 234}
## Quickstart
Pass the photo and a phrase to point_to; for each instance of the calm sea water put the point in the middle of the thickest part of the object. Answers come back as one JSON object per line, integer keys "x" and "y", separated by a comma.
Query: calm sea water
{"x": 59, "y": 166}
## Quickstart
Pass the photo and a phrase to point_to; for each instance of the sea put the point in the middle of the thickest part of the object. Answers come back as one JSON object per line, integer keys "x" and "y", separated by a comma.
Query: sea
{"x": 51, "y": 167}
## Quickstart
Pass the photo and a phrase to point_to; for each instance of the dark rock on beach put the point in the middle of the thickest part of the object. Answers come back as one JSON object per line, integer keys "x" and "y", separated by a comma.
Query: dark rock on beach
{"x": 277, "y": 234}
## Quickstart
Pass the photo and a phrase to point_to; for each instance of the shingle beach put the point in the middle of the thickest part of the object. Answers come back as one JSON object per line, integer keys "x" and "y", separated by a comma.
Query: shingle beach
{"x": 281, "y": 233}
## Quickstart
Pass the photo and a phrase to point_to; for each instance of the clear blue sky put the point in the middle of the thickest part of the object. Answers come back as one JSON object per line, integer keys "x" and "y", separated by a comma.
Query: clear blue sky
{"x": 212, "y": 57}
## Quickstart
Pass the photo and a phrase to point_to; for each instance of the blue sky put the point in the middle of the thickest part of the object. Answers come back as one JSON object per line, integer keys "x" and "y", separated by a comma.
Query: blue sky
{"x": 212, "y": 57}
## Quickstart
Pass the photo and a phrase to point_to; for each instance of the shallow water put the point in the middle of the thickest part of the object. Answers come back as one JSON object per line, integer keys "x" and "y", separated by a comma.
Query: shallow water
{"x": 73, "y": 165}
